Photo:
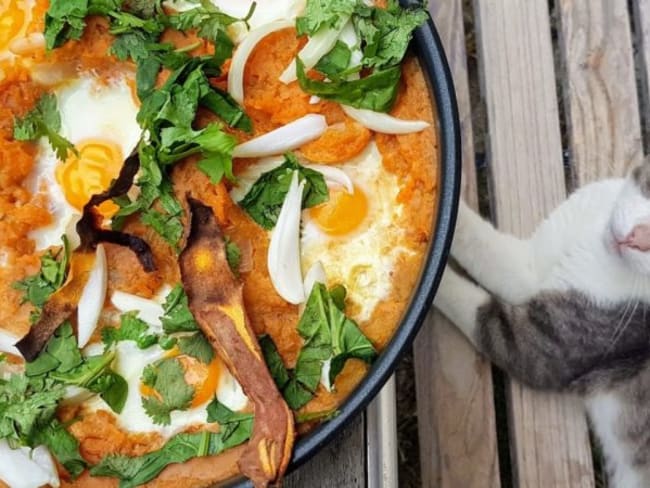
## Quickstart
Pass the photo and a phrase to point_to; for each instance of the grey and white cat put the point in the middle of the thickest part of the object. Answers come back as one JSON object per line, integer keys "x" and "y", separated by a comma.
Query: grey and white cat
{"x": 568, "y": 310}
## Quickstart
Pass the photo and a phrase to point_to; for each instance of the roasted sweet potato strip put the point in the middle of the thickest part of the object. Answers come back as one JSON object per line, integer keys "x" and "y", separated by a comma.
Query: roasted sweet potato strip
{"x": 216, "y": 300}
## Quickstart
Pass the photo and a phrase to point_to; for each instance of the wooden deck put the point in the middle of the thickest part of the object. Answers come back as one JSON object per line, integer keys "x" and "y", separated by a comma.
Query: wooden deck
{"x": 563, "y": 85}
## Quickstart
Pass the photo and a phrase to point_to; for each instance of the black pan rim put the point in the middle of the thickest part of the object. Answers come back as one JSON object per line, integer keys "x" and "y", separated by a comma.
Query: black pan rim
{"x": 430, "y": 52}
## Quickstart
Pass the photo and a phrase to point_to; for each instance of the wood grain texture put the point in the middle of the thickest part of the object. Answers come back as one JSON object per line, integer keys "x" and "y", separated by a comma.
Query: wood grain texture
{"x": 599, "y": 87}
{"x": 641, "y": 17}
{"x": 454, "y": 386}
{"x": 549, "y": 439}
{"x": 341, "y": 464}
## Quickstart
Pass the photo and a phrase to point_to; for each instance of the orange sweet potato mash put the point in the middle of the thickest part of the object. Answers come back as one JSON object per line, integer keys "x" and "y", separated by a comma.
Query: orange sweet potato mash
{"x": 270, "y": 104}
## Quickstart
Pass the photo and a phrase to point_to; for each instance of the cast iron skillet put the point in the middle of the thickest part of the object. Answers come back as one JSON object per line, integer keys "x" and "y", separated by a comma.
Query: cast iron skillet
{"x": 428, "y": 48}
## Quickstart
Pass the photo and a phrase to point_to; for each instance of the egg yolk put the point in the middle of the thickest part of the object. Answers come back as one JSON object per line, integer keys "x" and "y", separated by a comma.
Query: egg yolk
{"x": 13, "y": 18}
{"x": 89, "y": 173}
{"x": 204, "y": 378}
{"x": 342, "y": 213}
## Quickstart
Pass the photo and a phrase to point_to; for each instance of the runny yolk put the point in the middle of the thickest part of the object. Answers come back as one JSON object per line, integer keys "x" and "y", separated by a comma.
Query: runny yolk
{"x": 90, "y": 173}
{"x": 13, "y": 18}
{"x": 204, "y": 378}
{"x": 342, "y": 213}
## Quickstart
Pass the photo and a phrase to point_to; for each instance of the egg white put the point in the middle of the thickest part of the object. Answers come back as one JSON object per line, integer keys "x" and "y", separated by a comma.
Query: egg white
{"x": 363, "y": 261}
{"x": 90, "y": 109}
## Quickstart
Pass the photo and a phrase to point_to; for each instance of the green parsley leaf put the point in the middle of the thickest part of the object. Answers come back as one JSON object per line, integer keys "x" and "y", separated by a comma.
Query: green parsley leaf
{"x": 196, "y": 346}
{"x": 64, "y": 20}
{"x": 167, "y": 378}
{"x": 376, "y": 91}
{"x": 44, "y": 120}
{"x": 178, "y": 317}
{"x": 63, "y": 445}
{"x": 336, "y": 62}
{"x": 264, "y": 200}
{"x": 321, "y": 14}
{"x": 131, "y": 329}
{"x": 135, "y": 471}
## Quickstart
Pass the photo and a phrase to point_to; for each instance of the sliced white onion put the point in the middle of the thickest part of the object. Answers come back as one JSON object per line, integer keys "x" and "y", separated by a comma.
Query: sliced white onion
{"x": 230, "y": 392}
{"x": 284, "y": 249}
{"x": 27, "y": 468}
{"x": 286, "y": 138}
{"x": 316, "y": 274}
{"x": 148, "y": 310}
{"x": 240, "y": 57}
{"x": 325, "y": 374}
{"x": 318, "y": 46}
{"x": 384, "y": 123}
{"x": 92, "y": 298}
{"x": 333, "y": 174}
{"x": 8, "y": 343}
{"x": 74, "y": 395}
{"x": 313, "y": 100}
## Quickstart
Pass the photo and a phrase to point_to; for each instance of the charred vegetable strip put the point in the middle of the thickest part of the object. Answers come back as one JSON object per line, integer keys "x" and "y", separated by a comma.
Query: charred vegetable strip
{"x": 89, "y": 229}
{"x": 216, "y": 301}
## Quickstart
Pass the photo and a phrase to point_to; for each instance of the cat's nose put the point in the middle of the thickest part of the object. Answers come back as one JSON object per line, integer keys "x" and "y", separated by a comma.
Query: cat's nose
{"x": 639, "y": 238}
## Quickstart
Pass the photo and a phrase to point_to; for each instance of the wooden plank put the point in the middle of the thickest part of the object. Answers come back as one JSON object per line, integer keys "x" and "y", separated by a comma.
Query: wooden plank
{"x": 454, "y": 386}
{"x": 600, "y": 87}
{"x": 642, "y": 27}
{"x": 549, "y": 439}
{"x": 341, "y": 464}
{"x": 381, "y": 438}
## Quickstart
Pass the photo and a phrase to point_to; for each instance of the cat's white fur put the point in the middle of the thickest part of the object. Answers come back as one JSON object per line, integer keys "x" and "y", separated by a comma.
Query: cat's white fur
{"x": 574, "y": 248}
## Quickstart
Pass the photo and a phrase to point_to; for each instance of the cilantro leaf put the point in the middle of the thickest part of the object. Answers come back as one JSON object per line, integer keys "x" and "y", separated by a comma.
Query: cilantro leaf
{"x": 167, "y": 379}
{"x": 336, "y": 62}
{"x": 131, "y": 329}
{"x": 233, "y": 256}
{"x": 321, "y": 14}
{"x": 386, "y": 33}
{"x": 264, "y": 200}
{"x": 38, "y": 288}
{"x": 60, "y": 354}
{"x": 178, "y": 317}
{"x": 135, "y": 471}
{"x": 235, "y": 427}
{"x": 44, "y": 120}
{"x": 64, "y": 20}
{"x": 196, "y": 346}
{"x": 328, "y": 335}
{"x": 376, "y": 91}
{"x": 63, "y": 445}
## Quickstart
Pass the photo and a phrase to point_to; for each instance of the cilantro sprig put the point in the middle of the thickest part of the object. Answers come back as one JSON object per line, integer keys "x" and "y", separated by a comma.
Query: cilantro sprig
{"x": 264, "y": 200}
{"x": 329, "y": 335}
{"x": 167, "y": 378}
{"x": 44, "y": 120}
{"x": 38, "y": 288}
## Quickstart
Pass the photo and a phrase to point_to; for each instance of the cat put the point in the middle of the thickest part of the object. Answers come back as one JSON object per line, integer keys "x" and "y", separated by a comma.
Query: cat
{"x": 568, "y": 309}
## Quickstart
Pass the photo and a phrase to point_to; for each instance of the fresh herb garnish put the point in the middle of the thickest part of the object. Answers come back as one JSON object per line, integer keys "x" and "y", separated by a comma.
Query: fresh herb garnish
{"x": 131, "y": 329}
{"x": 264, "y": 200}
{"x": 196, "y": 346}
{"x": 236, "y": 428}
{"x": 63, "y": 445}
{"x": 329, "y": 335}
{"x": 44, "y": 120}
{"x": 177, "y": 317}
{"x": 233, "y": 256}
{"x": 326, "y": 14}
{"x": 167, "y": 378}
{"x": 61, "y": 361}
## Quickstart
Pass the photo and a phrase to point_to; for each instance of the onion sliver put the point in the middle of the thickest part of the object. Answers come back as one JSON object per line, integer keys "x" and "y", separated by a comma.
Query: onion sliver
{"x": 240, "y": 58}
{"x": 325, "y": 374}
{"x": 92, "y": 298}
{"x": 384, "y": 123}
{"x": 27, "y": 468}
{"x": 286, "y": 138}
{"x": 318, "y": 46}
{"x": 316, "y": 274}
{"x": 7, "y": 344}
{"x": 284, "y": 248}
{"x": 148, "y": 310}
{"x": 333, "y": 175}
